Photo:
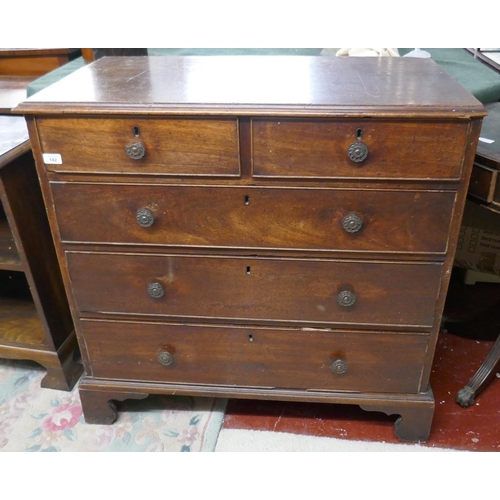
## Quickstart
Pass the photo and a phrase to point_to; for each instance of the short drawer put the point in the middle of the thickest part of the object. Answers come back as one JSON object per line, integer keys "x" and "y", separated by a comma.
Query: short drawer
{"x": 255, "y": 357}
{"x": 239, "y": 288}
{"x": 394, "y": 149}
{"x": 145, "y": 146}
{"x": 484, "y": 183}
{"x": 224, "y": 217}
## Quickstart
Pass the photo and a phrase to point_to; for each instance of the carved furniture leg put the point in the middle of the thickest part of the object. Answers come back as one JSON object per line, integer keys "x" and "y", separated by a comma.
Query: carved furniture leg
{"x": 490, "y": 366}
{"x": 99, "y": 407}
{"x": 414, "y": 423}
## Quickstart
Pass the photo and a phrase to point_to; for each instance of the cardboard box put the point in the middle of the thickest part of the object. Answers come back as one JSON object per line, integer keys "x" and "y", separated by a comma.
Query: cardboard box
{"x": 478, "y": 247}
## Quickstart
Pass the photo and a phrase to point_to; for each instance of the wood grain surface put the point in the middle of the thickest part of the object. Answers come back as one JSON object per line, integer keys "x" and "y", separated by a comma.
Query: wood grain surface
{"x": 246, "y": 357}
{"x": 250, "y": 217}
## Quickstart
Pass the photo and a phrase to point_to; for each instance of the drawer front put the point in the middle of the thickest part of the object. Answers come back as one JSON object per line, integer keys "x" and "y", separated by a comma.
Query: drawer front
{"x": 229, "y": 356}
{"x": 483, "y": 182}
{"x": 311, "y": 219}
{"x": 291, "y": 290}
{"x": 205, "y": 147}
{"x": 409, "y": 150}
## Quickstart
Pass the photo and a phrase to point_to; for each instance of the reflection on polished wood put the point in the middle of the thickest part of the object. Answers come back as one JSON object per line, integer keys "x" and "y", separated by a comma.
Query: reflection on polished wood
{"x": 293, "y": 85}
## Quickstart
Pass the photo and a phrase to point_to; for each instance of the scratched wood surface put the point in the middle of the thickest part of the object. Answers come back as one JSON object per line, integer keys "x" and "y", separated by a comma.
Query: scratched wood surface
{"x": 260, "y": 289}
{"x": 235, "y": 356}
{"x": 290, "y": 84}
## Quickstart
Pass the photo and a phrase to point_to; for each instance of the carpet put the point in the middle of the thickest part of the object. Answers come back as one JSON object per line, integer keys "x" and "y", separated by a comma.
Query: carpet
{"x": 37, "y": 419}
{"x": 244, "y": 440}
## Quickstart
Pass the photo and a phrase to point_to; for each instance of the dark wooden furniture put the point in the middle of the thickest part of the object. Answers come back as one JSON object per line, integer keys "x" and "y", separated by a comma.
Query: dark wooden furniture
{"x": 485, "y": 187}
{"x": 91, "y": 55}
{"x": 259, "y": 227}
{"x": 485, "y": 178}
{"x": 35, "y": 320}
{"x": 19, "y": 67}
{"x": 34, "y": 61}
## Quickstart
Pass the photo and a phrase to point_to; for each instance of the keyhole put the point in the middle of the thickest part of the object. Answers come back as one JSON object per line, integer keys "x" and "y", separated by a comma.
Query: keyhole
{"x": 247, "y": 200}
{"x": 250, "y": 338}
{"x": 136, "y": 131}
{"x": 359, "y": 134}
{"x": 248, "y": 269}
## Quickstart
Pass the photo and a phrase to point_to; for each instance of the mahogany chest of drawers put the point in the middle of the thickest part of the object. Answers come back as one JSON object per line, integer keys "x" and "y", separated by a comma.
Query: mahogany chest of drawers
{"x": 257, "y": 227}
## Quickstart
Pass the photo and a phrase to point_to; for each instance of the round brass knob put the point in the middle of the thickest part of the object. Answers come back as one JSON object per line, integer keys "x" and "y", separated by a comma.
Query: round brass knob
{"x": 346, "y": 298}
{"x": 136, "y": 150}
{"x": 144, "y": 217}
{"x": 352, "y": 223}
{"x": 165, "y": 358}
{"x": 339, "y": 366}
{"x": 357, "y": 152}
{"x": 155, "y": 290}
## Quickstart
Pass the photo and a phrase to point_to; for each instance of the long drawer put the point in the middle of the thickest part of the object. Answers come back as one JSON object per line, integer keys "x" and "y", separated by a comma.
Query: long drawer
{"x": 289, "y": 290}
{"x": 224, "y": 217}
{"x": 141, "y": 146}
{"x": 394, "y": 149}
{"x": 258, "y": 357}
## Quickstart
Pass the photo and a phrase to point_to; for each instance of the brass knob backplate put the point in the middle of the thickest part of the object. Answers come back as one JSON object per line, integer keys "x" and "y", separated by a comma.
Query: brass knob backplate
{"x": 144, "y": 217}
{"x": 165, "y": 358}
{"x": 357, "y": 152}
{"x": 136, "y": 150}
{"x": 339, "y": 366}
{"x": 352, "y": 223}
{"x": 155, "y": 290}
{"x": 346, "y": 298}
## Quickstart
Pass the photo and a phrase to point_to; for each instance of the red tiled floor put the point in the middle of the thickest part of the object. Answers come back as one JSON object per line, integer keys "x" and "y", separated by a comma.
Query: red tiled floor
{"x": 476, "y": 428}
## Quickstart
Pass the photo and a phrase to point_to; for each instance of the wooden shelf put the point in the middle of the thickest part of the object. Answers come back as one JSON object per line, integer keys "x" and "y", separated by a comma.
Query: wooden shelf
{"x": 19, "y": 320}
{"x": 35, "y": 319}
{"x": 9, "y": 256}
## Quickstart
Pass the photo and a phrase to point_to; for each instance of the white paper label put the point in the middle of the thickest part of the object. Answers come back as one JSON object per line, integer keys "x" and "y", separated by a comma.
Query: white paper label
{"x": 487, "y": 141}
{"x": 52, "y": 159}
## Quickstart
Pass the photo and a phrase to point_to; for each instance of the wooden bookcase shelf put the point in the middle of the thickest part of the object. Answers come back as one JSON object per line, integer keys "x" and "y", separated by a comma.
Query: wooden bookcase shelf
{"x": 35, "y": 319}
{"x": 18, "y": 315}
{"x": 9, "y": 256}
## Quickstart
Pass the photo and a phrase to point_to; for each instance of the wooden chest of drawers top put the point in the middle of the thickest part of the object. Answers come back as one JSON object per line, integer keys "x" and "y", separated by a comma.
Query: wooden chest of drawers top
{"x": 267, "y": 85}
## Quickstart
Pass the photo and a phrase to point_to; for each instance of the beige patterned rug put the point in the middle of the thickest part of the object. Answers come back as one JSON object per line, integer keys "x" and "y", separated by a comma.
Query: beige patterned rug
{"x": 37, "y": 419}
